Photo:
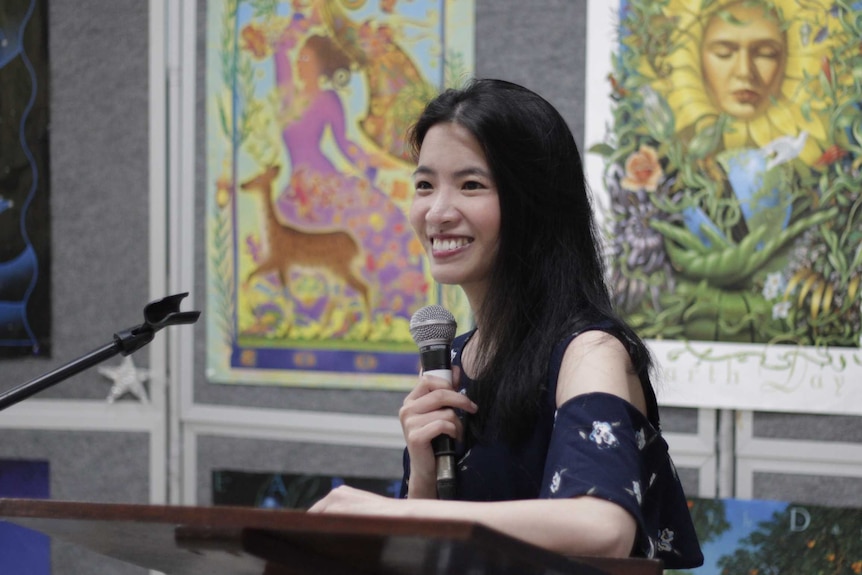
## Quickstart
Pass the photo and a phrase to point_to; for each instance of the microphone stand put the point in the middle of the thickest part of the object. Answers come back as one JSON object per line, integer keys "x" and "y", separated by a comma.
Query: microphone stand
{"x": 157, "y": 314}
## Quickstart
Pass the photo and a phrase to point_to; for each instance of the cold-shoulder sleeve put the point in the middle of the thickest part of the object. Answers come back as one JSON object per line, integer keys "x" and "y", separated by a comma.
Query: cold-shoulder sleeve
{"x": 602, "y": 446}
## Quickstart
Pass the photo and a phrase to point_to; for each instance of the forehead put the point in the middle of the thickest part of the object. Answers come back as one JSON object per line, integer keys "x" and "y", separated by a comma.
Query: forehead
{"x": 450, "y": 144}
{"x": 743, "y": 22}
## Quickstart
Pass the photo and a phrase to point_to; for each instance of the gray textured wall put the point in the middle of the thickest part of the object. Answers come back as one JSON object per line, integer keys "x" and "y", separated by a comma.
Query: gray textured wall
{"x": 98, "y": 51}
{"x": 99, "y": 161}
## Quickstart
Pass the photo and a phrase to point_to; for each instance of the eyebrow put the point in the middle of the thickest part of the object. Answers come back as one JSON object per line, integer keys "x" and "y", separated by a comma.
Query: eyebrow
{"x": 424, "y": 170}
{"x": 736, "y": 44}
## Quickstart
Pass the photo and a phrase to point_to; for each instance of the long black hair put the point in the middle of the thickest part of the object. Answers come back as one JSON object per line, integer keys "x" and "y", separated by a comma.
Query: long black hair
{"x": 548, "y": 279}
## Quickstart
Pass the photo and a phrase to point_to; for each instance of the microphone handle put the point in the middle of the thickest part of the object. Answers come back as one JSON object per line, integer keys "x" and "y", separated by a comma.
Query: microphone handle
{"x": 436, "y": 361}
{"x": 444, "y": 452}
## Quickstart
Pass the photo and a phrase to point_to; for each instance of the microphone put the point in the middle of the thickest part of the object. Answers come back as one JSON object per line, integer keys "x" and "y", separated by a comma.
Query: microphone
{"x": 433, "y": 329}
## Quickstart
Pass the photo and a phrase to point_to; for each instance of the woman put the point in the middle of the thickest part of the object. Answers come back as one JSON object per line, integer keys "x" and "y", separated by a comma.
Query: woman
{"x": 552, "y": 408}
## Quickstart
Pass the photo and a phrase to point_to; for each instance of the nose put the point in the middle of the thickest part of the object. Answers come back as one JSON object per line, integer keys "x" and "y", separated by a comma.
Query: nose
{"x": 744, "y": 66}
{"x": 442, "y": 210}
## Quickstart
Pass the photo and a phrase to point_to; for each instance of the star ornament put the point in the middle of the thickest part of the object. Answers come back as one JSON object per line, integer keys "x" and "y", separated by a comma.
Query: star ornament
{"x": 127, "y": 379}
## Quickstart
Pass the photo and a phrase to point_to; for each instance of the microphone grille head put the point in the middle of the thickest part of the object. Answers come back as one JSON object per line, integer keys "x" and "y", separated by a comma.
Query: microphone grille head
{"x": 433, "y": 324}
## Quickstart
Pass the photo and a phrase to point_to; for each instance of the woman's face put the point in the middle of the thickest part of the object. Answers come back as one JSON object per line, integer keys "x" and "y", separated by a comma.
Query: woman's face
{"x": 456, "y": 210}
{"x": 743, "y": 59}
{"x": 308, "y": 66}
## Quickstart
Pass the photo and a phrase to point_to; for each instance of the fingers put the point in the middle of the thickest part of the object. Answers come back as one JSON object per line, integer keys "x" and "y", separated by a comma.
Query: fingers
{"x": 434, "y": 397}
{"x": 334, "y": 499}
{"x": 428, "y": 383}
{"x": 419, "y": 430}
{"x": 434, "y": 392}
{"x": 346, "y": 499}
{"x": 429, "y": 410}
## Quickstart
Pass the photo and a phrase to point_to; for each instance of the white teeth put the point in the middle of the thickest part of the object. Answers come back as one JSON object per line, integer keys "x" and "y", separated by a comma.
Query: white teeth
{"x": 448, "y": 244}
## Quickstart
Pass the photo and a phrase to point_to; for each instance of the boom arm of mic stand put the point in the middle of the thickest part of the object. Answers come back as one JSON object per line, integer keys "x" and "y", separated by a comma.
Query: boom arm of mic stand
{"x": 157, "y": 314}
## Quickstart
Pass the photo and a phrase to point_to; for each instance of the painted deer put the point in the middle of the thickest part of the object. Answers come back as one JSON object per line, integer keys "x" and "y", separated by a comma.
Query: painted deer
{"x": 288, "y": 246}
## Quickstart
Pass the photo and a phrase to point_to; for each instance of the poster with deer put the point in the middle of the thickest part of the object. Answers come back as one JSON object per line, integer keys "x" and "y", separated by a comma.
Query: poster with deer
{"x": 724, "y": 138}
{"x": 25, "y": 232}
{"x": 313, "y": 271}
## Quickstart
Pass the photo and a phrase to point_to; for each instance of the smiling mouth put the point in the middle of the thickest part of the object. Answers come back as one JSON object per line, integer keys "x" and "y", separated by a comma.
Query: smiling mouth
{"x": 439, "y": 245}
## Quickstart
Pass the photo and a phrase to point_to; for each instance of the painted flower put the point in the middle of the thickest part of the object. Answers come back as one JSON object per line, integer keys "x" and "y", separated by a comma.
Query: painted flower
{"x": 830, "y": 156}
{"x": 634, "y": 238}
{"x": 781, "y": 309}
{"x": 636, "y": 245}
{"x": 643, "y": 170}
{"x": 254, "y": 40}
{"x": 223, "y": 193}
{"x": 658, "y": 116}
{"x": 774, "y": 285}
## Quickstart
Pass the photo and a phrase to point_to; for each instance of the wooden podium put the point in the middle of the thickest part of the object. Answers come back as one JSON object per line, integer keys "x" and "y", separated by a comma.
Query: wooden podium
{"x": 244, "y": 541}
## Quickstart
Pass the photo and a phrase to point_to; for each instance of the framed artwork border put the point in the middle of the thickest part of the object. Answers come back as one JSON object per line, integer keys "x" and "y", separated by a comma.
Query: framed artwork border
{"x": 698, "y": 372}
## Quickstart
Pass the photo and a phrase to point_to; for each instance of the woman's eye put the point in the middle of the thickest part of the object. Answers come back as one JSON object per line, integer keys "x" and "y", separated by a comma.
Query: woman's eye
{"x": 422, "y": 186}
{"x": 722, "y": 50}
{"x": 473, "y": 185}
{"x": 767, "y": 53}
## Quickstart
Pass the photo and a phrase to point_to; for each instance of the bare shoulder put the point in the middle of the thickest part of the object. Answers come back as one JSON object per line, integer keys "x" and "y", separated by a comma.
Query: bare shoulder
{"x": 596, "y": 361}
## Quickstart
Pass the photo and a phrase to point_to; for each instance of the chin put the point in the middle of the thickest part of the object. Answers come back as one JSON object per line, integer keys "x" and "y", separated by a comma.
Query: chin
{"x": 445, "y": 278}
{"x": 744, "y": 111}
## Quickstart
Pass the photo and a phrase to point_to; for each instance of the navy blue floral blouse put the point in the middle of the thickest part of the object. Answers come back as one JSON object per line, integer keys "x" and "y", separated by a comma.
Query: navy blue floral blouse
{"x": 595, "y": 444}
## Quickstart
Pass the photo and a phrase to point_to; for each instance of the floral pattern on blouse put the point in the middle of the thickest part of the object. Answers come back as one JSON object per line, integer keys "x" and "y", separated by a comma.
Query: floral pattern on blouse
{"x": 603, "y": 435}
{"x": 604, "y": 447}
{"x": 665, "y": 540}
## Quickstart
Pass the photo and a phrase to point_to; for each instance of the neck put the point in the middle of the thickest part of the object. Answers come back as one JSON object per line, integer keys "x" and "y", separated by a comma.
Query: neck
{"x": 469, "y": 357}
{"x": 311, "y": 87}
{"x": 475, "y": 296}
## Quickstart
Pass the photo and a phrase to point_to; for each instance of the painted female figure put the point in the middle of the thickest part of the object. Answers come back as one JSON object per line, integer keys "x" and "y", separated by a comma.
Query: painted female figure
{"x": 332, "y": 178}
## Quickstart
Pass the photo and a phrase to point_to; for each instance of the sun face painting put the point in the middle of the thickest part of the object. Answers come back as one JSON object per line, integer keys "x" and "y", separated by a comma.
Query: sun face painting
{"x": 733, "y": 170}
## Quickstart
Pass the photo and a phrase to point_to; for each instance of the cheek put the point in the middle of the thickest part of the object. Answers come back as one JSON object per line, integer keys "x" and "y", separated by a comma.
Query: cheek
{"x": 713, "y": 72}
{"x": 490, "y": 224}
{"x": 416, "y": 216}
{"x": 768, "y": 71}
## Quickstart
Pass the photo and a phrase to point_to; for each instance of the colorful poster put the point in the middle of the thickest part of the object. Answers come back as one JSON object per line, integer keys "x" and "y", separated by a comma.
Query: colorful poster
{"x": 760, "y": 537}
{"x": 313, "y": 269}
{"x": 725, "y": 140}
{"x": 24, "y": 550}
{"x": 25, "y": 297}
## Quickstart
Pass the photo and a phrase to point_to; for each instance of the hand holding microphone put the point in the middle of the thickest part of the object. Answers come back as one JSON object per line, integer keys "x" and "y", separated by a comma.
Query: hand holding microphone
{"x": 433, "y": 329}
